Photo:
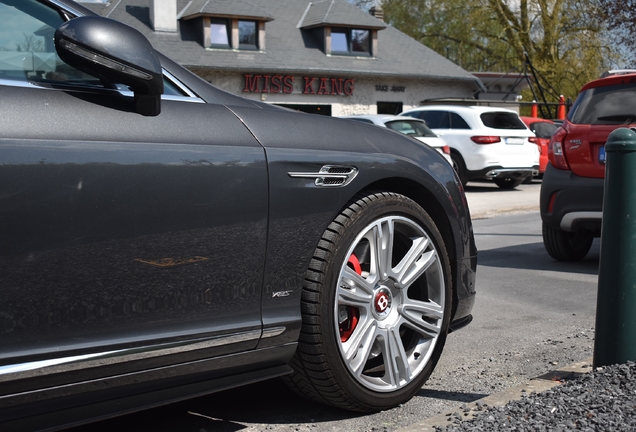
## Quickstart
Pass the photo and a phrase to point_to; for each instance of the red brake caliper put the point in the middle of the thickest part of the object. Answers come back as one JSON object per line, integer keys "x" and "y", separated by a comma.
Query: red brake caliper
{"x": 353, "y": 315}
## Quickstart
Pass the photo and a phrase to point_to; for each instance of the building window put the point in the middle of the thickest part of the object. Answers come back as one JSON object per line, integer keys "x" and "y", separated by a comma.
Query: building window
{"x": 247, "y": 34}
{"x": 351, "y": 41}
{"x": 231, "y": 33}
{"x": 219, "y": 33}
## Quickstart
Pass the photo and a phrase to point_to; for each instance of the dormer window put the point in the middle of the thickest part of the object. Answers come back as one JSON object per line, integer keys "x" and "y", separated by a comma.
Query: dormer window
{"x": 235, "y": 25}
{"x": 339, "y": 28}
{"x": 232, "y": 33}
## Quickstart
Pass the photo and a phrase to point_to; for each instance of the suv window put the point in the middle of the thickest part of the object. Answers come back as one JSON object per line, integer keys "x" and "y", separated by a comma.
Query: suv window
{"x": 608, "y": 105}
{"x": 434, "y": 119}
{"x": 441, "y": 119}
{"x": 457, "y": 122}
{"x": 502, "y": 120}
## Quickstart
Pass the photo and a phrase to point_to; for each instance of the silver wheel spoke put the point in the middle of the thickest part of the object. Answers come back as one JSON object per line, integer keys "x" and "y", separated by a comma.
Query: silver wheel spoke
{"x": 382, "y": 234}
{"x": 413, "y": 312}
{"x": 415, "y": 262}
{"x": 359, "y": 346}
{"x": 354, "y": 290}
{"x": 395, "y": 358}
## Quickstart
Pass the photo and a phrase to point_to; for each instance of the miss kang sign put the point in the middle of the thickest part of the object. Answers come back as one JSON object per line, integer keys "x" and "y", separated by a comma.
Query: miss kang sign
{"x": 285, "y": 84}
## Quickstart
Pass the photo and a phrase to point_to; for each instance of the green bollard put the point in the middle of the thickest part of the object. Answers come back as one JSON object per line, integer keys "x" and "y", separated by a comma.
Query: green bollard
{"x": 615, "y": 339}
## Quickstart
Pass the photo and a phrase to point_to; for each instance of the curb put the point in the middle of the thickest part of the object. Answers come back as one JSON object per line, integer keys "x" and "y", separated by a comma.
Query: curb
{"x": 537, "y": 385}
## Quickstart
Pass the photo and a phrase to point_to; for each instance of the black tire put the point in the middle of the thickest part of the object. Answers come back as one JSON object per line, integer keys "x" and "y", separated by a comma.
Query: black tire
{"x": 508, "y": 183}
{"x": 341, "y": 302}
{"x": 566, "y": 246}
{"x": 460, "y": 167}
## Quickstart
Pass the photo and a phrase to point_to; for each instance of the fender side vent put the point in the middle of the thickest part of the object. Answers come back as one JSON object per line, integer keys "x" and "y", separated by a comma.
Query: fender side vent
{"x": 330, "y": 175}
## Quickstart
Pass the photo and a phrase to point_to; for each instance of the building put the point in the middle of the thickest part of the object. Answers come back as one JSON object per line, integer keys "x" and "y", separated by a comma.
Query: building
{"x": 323, "y": 56}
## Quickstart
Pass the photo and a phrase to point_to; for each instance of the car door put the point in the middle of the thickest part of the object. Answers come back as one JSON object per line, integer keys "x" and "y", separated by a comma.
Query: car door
{"x": 120, "y": 234}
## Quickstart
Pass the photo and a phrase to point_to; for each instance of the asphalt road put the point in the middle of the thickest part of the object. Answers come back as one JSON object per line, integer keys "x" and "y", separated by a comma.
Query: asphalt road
{"x": 532, "y": 315}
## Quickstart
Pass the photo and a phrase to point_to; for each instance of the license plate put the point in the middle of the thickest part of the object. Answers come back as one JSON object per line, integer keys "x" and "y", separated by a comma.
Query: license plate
{"x": 601, "y": 155}
{"x": 514, "y": 141}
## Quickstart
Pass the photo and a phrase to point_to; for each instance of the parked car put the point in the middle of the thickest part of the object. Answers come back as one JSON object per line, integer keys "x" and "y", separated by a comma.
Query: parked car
{"x": 543, "y": 130}
{"x": 571, "y": 197}
{"x": 163, "y": 239}
{"x": 412, "y": 127}
{"x": 485, "y": 142}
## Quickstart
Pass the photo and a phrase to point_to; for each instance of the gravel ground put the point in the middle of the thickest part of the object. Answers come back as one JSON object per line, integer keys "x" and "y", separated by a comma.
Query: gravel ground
{"x": 603, "y": 400}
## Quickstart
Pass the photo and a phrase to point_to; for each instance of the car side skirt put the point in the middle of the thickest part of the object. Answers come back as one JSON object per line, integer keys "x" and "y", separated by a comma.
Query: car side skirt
{"x": 128, "y": 393}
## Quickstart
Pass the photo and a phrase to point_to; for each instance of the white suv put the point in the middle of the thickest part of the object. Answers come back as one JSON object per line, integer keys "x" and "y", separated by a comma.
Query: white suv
{"x": 485, "y": 142}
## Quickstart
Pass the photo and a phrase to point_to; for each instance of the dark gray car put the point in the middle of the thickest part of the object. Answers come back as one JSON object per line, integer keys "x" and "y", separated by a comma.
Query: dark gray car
{"x": 162, "y": 239}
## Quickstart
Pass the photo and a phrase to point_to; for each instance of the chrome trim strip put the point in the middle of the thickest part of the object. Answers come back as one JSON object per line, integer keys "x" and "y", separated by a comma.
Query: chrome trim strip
{"x": 179, "y": 84}
{"x": 68, "y": 364}
{"x": 273, "y": 332}
{"x": 569, "y": 218}
{"x": 500, "y": 171}
{"x": 66, "y": 8}
{"x": 16, "y": 83}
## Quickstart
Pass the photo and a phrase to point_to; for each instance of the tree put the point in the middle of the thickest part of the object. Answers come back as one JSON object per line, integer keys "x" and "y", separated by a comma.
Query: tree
{"x": 563, "y": 39}
{"x": 620, "y": 16}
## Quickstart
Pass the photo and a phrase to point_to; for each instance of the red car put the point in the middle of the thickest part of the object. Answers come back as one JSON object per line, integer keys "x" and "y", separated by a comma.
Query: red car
{"x": 543, "y": 129}
{"x": 571, "y": 197}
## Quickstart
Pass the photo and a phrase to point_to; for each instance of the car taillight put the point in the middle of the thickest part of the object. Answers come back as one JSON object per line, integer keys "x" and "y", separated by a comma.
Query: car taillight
{"x": 555, "y": 150}
{"x": 482, "y": 139}
{"x": 534, "y": 140}
{"x": 446, "y": 150}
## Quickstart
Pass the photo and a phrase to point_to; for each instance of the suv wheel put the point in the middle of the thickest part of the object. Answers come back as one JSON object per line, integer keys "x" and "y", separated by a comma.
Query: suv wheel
{"x": 460, "y": 167}
{"x": 508, "y": 183}
{"x": 566, "y": 246}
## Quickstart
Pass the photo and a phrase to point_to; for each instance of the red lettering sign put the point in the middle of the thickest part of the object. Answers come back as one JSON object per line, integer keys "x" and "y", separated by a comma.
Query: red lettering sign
{"x": 285, "y": 84}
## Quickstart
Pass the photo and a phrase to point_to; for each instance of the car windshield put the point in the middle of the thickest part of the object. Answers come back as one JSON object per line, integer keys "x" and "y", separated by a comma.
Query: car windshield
{"x": 543, "y": 129}
{"x": 411, "y": 127}
{"x": 608, "y": 105}
{"x": 502, "y": 120}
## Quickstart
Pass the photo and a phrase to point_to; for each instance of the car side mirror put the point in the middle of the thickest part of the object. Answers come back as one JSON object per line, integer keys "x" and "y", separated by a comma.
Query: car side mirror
{"x": 115, "y": 52}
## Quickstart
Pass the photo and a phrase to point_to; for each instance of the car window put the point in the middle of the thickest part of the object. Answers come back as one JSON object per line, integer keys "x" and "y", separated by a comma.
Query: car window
{"x": 608, "y": 105}
{"x": 27, "y": 50}
{"x": 502, "y": 120}
{"x": 411, "y": 127}
{"x": 434, "y": 119}
{"x": 543, "y": 129}
{"x": 457, "y": 122}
